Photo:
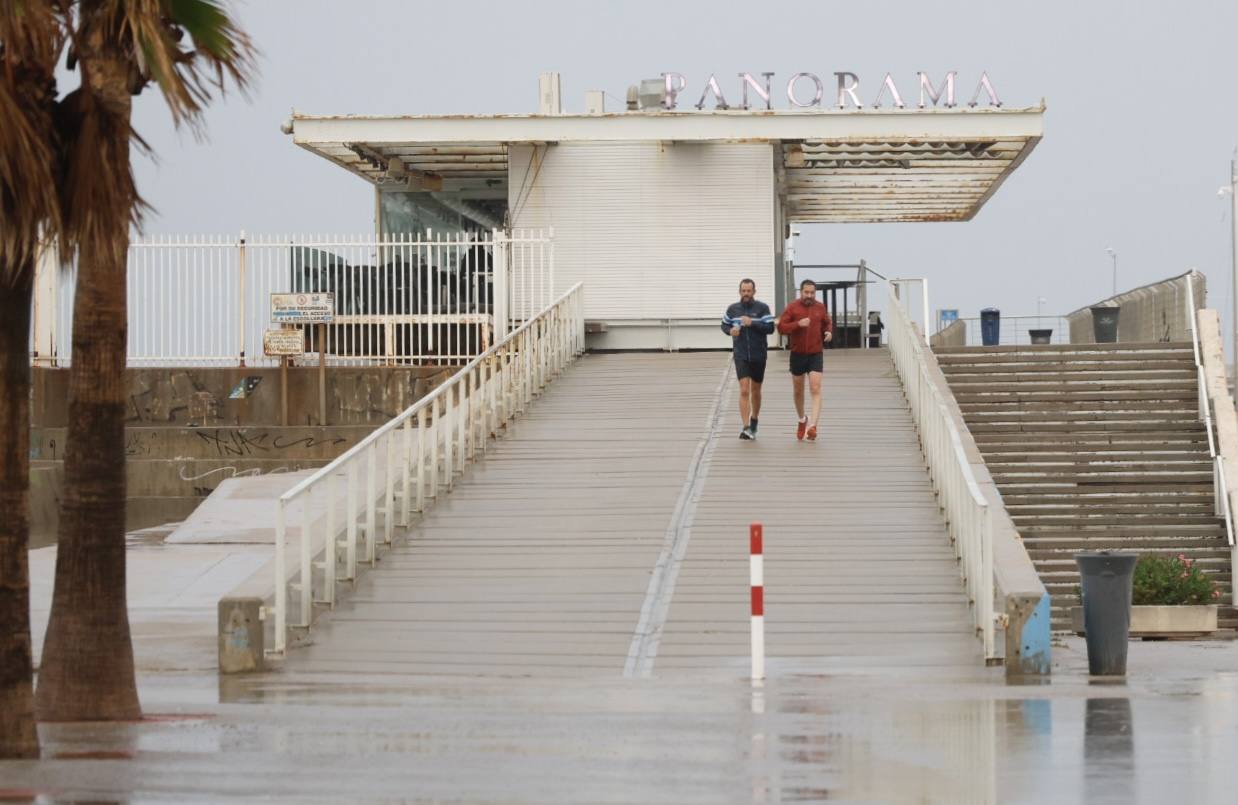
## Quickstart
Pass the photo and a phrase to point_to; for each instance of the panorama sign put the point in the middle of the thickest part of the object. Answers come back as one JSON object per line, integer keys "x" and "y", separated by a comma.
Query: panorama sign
{"x": 807, "y": 91}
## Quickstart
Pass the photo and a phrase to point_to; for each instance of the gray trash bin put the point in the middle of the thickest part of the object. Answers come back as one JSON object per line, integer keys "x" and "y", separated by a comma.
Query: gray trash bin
{"x": 1041, "y": 336}
{"x": 1106, "y": 584}
{"x": 1105, "y": 324}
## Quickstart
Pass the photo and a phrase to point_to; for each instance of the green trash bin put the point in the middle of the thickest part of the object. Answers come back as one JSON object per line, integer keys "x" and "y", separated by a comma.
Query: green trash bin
{"x": 1105, "y": 324}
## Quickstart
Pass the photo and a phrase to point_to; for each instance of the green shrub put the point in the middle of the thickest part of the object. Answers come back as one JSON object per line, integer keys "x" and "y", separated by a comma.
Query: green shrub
{"x": 1172, "y": 580}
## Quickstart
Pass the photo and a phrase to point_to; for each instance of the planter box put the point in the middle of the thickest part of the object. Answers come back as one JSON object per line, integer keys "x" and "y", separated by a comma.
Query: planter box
{"x": 1150, "y": 621}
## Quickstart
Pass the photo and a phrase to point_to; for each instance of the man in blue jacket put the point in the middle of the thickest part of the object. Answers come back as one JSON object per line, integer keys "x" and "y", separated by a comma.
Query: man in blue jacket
{"x": 749, "y": 323}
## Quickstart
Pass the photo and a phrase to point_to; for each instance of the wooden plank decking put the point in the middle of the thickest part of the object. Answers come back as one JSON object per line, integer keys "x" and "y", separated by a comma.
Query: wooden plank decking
{"x": 606, "y": 533}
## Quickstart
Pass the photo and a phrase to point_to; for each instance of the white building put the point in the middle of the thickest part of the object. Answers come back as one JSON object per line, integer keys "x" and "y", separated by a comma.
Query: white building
{"x": 661, "y": 212}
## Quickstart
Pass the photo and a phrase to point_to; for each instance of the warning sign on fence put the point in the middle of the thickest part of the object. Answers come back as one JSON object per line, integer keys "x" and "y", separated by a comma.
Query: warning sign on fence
{"x": 302, "y": 308}
{"x": 283, "y": 342}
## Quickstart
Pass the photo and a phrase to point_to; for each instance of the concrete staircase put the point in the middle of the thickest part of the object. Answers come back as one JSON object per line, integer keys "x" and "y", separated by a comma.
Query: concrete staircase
{"x": 1095, "y": 446}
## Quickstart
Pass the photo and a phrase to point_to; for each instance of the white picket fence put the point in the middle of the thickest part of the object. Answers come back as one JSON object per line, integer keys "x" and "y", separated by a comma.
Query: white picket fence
{"x": 433, "y": 298}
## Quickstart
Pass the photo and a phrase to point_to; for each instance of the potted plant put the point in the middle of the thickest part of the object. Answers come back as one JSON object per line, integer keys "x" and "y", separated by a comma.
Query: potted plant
{"x": 1171, "y": 597}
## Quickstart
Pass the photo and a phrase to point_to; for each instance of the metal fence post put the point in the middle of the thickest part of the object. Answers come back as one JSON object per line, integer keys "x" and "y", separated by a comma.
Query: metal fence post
{"x": 241, "y": 300}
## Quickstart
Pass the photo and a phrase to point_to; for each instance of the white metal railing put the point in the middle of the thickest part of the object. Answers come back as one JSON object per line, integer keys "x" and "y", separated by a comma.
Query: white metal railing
{"x": 1220, "y": 485}
{"x": 1017, "y": 330}
{"x": 439, "y": 297}
{"x": 411, "y": 460}
{"x": 968, "y": 515}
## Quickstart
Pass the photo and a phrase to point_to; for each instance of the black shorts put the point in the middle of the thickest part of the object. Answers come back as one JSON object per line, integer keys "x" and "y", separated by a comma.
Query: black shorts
{"x": 803, "y": 364}
{"x": 752, "y": 369}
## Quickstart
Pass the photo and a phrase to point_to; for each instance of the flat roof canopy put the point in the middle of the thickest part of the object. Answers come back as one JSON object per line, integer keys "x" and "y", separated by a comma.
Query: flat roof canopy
{"x": 853, "y": 166}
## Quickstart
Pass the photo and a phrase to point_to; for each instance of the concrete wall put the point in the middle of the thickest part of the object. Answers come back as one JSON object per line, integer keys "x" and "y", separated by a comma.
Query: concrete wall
{"x": 953, "y": 336}
{"x": 1152, "y": 313}
{"x": 200, "y": 395}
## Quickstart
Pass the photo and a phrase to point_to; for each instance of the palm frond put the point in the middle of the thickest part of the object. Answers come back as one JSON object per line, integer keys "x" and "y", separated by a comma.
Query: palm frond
{"x": 31, "y": 39}
{"x": 188, "y": 73}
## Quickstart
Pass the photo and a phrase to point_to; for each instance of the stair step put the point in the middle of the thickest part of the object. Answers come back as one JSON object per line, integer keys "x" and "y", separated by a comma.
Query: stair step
{"x": 1143, "y": 545}
{"x": 1077, "y": 497}
{"x": 1185, "y": 414}
{"x": 1105, "y": 478}
{"x": 980, "y": 383}
{"x": 1074, "y": 489}
{"x": 1206, "y": 557}
{"x": 1000, "y": 455}
{"x": 1200, "y": 533}
{"x": 1121, "y": 394}
{"x": 1132, "y": 370}
{"x": 1064, "y": 574}
{"x": 1099, "y": 466}
{"x": 1019, "y": 510}
{"x": 1091, "y": 439}
{"x": 1115, "y": 521}
{"x": 1117, "y": 346}
{"x": 1141, "y": 357}
{"x": 1047, "y": 429}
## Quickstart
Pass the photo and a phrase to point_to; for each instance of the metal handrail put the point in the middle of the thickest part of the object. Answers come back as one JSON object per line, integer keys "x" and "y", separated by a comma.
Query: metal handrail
{"x": 1220, "y": 485}
{"x": 454, "y": 423}
{"x": 968, "y": 515}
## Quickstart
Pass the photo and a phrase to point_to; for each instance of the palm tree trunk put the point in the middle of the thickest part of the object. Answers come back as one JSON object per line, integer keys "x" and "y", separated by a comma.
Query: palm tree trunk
{"x": 87, "y": 671}
{"x": 18, "y": 736}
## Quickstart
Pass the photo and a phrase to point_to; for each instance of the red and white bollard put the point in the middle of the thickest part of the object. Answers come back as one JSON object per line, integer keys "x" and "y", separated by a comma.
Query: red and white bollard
{"x": 757, "y": 573}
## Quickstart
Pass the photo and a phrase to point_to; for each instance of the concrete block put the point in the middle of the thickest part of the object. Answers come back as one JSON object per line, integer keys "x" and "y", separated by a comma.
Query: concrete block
{"x": 242, "y": 636}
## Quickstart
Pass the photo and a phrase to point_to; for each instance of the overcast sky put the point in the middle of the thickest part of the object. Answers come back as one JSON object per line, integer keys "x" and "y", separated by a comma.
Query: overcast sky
{"x": 1142, "y": 119}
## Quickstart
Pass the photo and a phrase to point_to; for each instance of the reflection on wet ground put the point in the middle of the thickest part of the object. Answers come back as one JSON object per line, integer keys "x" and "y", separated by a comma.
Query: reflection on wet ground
{"x": 1167, "y": 735}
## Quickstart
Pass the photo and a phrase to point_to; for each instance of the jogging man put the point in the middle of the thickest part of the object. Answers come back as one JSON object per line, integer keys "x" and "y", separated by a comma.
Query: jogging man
{"x": 749, "y": 323}
{"x": 810, "y": 327}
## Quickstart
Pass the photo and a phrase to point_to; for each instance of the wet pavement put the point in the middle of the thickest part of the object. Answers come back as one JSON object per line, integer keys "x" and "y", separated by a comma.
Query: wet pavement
{"x": 1169, "y": 733}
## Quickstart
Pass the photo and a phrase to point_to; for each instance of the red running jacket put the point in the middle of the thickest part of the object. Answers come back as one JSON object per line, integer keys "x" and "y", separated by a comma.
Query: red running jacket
{"x": 811, "y": 339}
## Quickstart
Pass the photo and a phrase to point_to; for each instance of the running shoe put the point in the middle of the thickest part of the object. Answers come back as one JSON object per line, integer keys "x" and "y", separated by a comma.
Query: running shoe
{"x": 747, "y": 434}
{"x": 752, "y": 426}
{"x": 800, "y": 429}
{"x": 812, "y": 433}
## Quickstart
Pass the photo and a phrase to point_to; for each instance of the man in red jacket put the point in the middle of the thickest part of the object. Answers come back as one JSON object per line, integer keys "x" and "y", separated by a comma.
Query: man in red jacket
{"x": 811, "y": 328}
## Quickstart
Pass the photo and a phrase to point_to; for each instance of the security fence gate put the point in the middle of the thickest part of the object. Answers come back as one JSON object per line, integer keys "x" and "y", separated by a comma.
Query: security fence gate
{"x": 432, "y": 298}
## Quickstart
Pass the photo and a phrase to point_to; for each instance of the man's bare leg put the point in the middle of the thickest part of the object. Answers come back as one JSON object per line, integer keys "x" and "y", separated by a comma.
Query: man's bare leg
{"x": 814, "y": 385}
{"x": 797, "y": 383}
{"x": 756, "y": 401}
{"x": 745, "y": 409}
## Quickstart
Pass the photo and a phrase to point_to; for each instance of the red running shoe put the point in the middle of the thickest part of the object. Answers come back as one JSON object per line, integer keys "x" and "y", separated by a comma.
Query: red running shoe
{"x": 800, "y": 429}
{"x": 812, "y": 433}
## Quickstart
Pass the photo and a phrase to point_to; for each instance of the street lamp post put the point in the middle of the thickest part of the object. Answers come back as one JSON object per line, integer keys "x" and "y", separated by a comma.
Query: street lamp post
{"x": 1114, "y": 255}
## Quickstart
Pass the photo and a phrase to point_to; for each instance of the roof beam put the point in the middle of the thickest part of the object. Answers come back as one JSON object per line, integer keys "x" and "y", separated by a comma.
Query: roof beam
{"x": 721, "y": 126}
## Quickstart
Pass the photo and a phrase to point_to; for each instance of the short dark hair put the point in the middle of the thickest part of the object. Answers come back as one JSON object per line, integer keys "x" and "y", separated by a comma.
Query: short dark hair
{"x": 806, "y": 283}
{"x": 748, "y": 280}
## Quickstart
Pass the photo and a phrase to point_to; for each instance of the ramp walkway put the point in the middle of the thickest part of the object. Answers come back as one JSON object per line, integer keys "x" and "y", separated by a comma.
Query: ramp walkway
{"x": 606, "y": 533}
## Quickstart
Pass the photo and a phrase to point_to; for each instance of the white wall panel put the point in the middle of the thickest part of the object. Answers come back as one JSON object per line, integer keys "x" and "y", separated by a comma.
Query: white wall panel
{"x": 654, "y": 230}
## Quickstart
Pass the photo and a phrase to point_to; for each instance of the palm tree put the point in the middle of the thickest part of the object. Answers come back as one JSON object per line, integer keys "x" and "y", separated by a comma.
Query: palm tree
{"x": 120, "y": 47}
{"x": 30, "y": 44}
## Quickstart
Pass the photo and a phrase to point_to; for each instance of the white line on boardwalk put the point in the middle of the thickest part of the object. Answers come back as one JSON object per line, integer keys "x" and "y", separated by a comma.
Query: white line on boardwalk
{"x": 657, "y": 601}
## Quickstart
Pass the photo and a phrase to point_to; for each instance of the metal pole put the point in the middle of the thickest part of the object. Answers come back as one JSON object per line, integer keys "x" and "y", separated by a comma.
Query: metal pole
{"x": 1233, "y": 223}
{"x": 322, "y": 375}
{"x": 241, "y": 295}
{"x": 1114, "y": 255}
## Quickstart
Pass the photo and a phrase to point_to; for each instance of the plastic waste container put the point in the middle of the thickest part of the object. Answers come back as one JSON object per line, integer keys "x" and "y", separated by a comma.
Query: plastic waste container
{"x": 1105, "y": 324}
{"x": 990, "y": 326}
{"x": 1106, "y": 585}
{"x": 1041, "y": 336}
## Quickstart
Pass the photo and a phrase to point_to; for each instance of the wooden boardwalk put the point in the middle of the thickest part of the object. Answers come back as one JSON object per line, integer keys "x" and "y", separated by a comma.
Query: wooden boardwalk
{"x": 606, "y": 533}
